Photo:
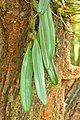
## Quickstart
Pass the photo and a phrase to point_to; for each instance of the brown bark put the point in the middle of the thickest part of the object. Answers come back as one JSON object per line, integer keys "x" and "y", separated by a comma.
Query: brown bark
{"x": 15, "y": 17}
{"x": 14, "y": 29}
{"x": 66, "y": 71}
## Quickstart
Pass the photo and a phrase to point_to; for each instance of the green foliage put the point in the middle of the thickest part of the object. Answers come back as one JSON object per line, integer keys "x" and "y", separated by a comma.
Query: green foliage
{"x": 39, "y": 72}
{"x": 40, "y": 6}
{"x": 41, "y": 57}
{"x": 52, "y": 74}
{"x": 47, "y": 43}
{"x": 43, "y": 5}
{"x": 26, "y": 81}
{"x": 52, "y": 33}
{"x": 44, "y": 40}
{"x": 76, "y": 41}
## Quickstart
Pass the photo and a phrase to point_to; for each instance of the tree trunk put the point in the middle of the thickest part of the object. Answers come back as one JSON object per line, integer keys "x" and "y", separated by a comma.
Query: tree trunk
{"x": 14, "y": 29}
{"x": 15, "y": 34}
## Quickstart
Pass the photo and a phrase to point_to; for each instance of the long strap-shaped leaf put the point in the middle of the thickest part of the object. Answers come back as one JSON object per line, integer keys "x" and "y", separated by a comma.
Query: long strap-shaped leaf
{"x": 26, "y": 81}
{"x": 40, "y": 6}
{"x": 47, "y": 42}
{"x": 52, "y": 32}
{"x": 43, "y": 5}
{"x": 52, "y": 74}
{"x": 48, "y": 31}
{"x": 44, "y": 41}
{"x": 39, "y": 72}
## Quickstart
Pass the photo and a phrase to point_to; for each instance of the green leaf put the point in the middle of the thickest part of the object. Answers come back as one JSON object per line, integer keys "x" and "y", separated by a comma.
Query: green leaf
{"x": 47, "y": 36}
{"x": 52, "y": 33}
{"x": 47, "y": 43}
{"x": 44, "y": 41}
{"x": 52, "y": 74}
{"x": 45, "y": 6}
{"x": 46, "y": 31}
{"x": 40, "y": 6}
{"x": 26, "y": 81}
{"x": 39, "y": 72}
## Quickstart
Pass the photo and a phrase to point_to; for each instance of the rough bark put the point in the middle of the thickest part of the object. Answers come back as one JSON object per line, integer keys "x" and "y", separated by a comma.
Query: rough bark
{"x": 15, "y": 34}
{"x": 66, "y": 71}
{"x": 14, "y": 30}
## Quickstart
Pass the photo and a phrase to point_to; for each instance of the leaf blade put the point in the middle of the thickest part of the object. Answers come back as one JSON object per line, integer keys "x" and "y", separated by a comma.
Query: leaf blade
{"x": 52, "y": 33}
{"x": 53, "y": 74}
{"x": 44, "y": 42}
{"x": 26, "y": 81}
{"x": 39, "y": 73}
{"x": 40, "y": 6}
